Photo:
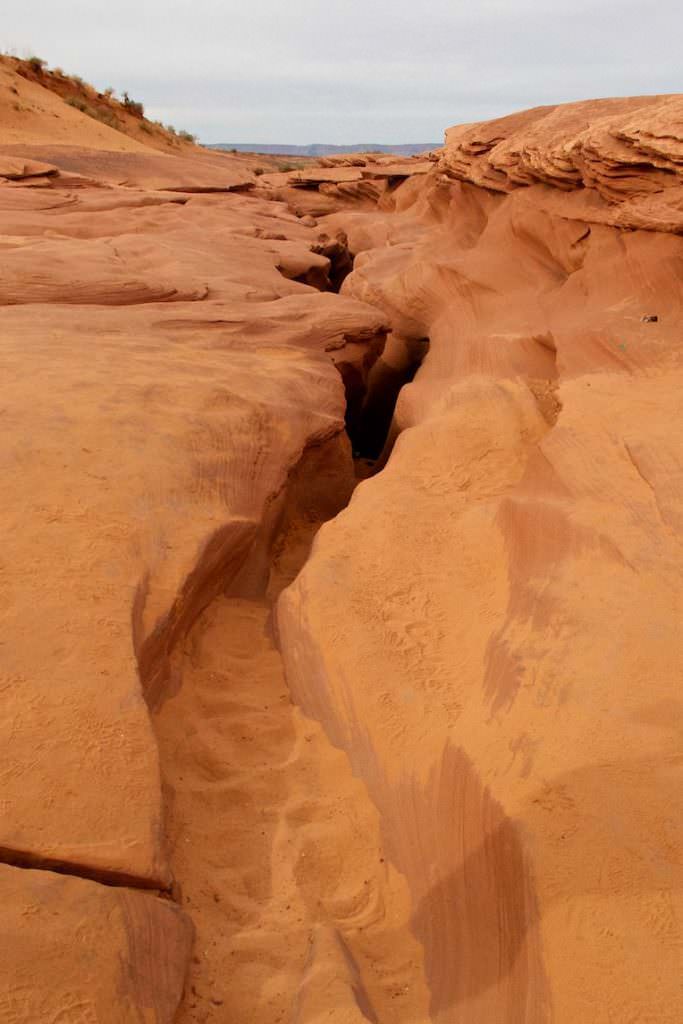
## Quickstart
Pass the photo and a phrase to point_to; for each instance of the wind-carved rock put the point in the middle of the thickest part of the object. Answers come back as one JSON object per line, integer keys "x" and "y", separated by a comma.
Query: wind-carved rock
{"x": 480, "y": 823}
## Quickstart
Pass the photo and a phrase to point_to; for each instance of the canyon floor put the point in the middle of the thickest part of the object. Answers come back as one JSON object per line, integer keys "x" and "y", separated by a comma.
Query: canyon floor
{"x": 341, "y": 590}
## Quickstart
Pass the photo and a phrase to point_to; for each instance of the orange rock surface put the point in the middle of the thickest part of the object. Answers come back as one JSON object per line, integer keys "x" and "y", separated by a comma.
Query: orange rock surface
{"x": 75, "y": 951}
{"x": 406, "y": 751}
{"x": 501, "y": 655}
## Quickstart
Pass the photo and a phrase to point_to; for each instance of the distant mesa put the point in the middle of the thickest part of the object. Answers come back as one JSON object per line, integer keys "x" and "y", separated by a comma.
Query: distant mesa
{"x": 319, "y": 149}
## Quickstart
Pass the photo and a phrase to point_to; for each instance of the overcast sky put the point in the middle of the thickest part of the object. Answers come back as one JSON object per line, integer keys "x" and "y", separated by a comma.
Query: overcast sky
{"x": 348, "y": 71}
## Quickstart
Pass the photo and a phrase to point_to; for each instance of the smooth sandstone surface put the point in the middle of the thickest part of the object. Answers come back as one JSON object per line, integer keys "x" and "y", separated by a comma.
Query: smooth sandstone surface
{"x": 473, "y": 814}
{"x": 157, "y": 171}
{"x": 501, "y": 656}
{"x": 165, "y": 367}
{"x": 148, "y": 405}
{"x": 77, "y": 952}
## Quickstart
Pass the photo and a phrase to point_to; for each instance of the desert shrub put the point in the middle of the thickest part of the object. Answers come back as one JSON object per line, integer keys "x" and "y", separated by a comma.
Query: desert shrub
{"x": 105, "y": 116}
{"x": 37, "y": 63}
{"x": 286, "y": 167}
{"x": 108, "y": 92}
{"x": 132, "y": 106}
{"x": 187, "y": 136}
{"x": 258, "y": 171}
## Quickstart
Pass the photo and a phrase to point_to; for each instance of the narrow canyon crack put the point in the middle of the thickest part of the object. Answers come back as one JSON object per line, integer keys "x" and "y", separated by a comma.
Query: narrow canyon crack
{"x": 276, "y": 847}
{"x": 33, "y": 862}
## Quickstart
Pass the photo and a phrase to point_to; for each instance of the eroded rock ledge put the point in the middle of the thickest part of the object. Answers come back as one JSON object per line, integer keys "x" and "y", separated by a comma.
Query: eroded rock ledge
{"x": 628, "y": 152}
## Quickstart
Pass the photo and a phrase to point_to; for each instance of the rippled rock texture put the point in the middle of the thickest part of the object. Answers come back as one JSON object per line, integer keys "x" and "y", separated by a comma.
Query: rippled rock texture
{"x": 628, "y": 152}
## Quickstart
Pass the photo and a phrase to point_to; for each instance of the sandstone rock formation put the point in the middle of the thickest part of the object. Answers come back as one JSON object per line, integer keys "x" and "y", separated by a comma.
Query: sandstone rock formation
{"x": 77, "y": 951}
{"x": 625, "y": 151}
{"x": 164, "y": 372}
{"x": 507, "y": 685}
{"x": 472, "y": 812}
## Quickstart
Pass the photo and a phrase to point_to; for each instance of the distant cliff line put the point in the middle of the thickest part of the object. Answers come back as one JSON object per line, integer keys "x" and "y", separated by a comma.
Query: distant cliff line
{"x": 318, "y": 149}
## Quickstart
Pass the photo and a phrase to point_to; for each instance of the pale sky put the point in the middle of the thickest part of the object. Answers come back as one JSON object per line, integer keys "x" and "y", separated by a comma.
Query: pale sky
{"x": 303, "y": 71}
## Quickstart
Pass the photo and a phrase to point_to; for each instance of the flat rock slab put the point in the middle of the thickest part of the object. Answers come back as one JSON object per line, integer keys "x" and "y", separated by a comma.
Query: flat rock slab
{"x": 76, "y": 952}
{"x": 210, "y": 173}
{"x": 16, "y": 168}
{"x": 318, "y": 175}
{"x": 398, "y": 170}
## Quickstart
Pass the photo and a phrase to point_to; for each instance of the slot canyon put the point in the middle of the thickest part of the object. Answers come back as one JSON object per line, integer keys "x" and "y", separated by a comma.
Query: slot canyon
{"x": 341, "y": 584}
